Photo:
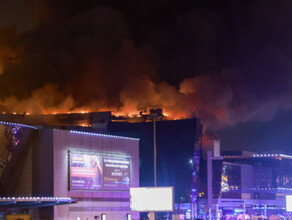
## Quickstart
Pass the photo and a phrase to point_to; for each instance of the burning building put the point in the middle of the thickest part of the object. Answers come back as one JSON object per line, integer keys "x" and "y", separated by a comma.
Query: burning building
{"x": 42, "y": 169}
{"x": 202, "y": 175}
{"x": 178, "y": 151}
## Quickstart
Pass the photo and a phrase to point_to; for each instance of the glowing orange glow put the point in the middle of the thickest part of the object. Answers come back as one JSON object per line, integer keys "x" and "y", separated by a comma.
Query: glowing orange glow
{"x": 84, "y": 125}
{"x": 171, "y": 115}
{"x": 43, "y": 101}
{"x": 165, "y": 114}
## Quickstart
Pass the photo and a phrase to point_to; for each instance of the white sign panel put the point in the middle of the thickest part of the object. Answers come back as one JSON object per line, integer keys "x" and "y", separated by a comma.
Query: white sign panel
{"x": 289, "y": 203}
{"x": 151, "y": 199}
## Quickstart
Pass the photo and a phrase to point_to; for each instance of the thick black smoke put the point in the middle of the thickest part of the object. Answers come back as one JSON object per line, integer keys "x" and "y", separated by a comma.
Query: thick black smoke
{"x": 230, "y": 61}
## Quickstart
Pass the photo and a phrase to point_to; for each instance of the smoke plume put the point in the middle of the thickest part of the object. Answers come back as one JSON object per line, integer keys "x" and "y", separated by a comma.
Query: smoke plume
{"x": 128, "y": 56}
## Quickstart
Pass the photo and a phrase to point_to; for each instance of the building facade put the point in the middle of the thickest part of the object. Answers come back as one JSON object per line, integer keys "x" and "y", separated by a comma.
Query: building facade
{"x": 247, "y": 183}
{"x": 95, "y": 169}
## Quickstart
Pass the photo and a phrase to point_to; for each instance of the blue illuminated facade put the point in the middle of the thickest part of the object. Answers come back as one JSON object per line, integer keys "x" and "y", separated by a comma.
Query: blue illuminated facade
{"x": 249, "y": 184}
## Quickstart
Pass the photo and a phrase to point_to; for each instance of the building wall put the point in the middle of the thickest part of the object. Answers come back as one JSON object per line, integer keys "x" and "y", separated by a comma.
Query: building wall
{"x": 247, "y": 174}
{"x": 15, "y": 160}
{"x": 24, "y": 186}
{"x": 176, "y": 140}
{"x": 91, "y": 204}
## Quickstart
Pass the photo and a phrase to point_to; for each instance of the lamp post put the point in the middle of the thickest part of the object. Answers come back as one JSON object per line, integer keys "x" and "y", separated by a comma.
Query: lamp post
{"x": 154, "y": 151}
{"x": 155, "y": 114}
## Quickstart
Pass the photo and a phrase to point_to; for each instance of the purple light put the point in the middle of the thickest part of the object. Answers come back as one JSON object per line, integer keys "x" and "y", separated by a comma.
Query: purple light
{"x": 13, "y": 134}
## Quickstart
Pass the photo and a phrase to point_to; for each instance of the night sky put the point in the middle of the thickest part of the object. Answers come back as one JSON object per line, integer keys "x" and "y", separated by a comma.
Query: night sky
{"x": 230, "y": 60}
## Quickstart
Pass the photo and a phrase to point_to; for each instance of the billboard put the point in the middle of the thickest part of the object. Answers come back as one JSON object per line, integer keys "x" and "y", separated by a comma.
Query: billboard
{"x": 289, "y": 203}
{"x": 116, "y": 174}
{"x": 96, "y": 172}
{"x": 151, "y": 199}
{"x": 85, "y": 172}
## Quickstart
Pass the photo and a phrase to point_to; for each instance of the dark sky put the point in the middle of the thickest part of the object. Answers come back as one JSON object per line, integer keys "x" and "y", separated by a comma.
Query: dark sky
{"x": 230, "y": 60}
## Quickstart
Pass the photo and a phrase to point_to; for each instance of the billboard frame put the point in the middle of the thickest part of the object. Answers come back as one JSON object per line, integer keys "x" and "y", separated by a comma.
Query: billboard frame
{"x": 104, "y": 154}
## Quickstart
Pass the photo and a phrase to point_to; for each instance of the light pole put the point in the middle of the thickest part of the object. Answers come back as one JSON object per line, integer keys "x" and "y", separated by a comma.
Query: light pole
{"x": 154, "y": 151}
{"x": 154, "y": 114}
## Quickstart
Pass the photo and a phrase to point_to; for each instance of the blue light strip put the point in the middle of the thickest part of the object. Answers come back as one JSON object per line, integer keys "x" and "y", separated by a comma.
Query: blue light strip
{"x": 273, "y": 155}
{"x": 103, "y": 135}
{"x": 268, "y": 189}
{"x": 36, "y": 198}
{"x": 16, "y": 124}
{"x": 258, "y": 156}
{"x": 35, "y": 201}
{"x": 267, "y": 155}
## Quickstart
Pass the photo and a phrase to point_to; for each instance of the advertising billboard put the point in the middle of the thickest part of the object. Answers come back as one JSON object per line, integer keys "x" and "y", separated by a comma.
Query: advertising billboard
{"x": 116, "y": 174}
{"x": 151, "y": 199}
{"x": 85, "y": 172}
{"x": 97, "y": 172}
{"x": 289, "y": 203}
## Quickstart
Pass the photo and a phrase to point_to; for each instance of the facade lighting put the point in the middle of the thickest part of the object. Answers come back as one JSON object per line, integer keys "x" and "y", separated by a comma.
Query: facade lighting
{"x": 16, "y": 124}
{"x": 103, "y": 135}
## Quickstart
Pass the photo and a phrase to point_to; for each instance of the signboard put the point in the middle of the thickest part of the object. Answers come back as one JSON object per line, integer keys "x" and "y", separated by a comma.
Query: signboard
{"x": 116, "y": 174}
{"x": 86, "y": 172}
{"x": 289, "y": 203}
{"x": 151, "y": 199}
{"x": 96, "y": 172}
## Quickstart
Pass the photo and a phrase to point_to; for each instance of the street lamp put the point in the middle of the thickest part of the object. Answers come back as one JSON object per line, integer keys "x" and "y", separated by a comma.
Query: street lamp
{"x": 154, "y": 115}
